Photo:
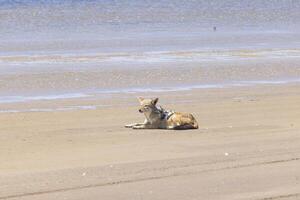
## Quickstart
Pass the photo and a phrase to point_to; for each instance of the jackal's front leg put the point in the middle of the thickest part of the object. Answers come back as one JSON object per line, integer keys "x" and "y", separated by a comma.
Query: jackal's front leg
{"x": 136, "y": 124}
{"x": 132, "y": 125}
{"x": 143, "y": 126}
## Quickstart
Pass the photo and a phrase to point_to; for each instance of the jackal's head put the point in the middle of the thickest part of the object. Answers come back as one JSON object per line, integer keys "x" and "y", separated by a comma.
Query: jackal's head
{"x": 147, "y": 105}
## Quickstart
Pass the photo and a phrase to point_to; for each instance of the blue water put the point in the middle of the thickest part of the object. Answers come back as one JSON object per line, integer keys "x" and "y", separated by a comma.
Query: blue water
{"x": 129, "y": 25}
{"x": 74, "y": 26}
{"x": 73, "y": 14}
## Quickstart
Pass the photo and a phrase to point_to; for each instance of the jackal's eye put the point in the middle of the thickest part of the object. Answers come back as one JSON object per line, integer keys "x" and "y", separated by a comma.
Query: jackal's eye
{"x": 146, "y": 107}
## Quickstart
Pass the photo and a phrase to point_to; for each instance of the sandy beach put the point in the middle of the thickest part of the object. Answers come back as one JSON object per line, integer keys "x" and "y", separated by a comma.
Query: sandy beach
{"x": 247, "y": 147}
{"x": 71, "y": 72}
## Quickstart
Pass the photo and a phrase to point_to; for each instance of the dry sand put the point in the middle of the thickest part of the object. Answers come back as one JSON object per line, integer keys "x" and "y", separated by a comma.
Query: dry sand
{"x": 247, "y": 147}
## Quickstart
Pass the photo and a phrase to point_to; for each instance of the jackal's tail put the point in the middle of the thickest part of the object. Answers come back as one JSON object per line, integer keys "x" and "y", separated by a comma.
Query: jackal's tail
{"x": 195, "y": 124}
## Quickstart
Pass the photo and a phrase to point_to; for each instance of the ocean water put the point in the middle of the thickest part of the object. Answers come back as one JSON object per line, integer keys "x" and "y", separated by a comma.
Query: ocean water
{"x": 102, "y": 26}
{"x": 53, "y": 48}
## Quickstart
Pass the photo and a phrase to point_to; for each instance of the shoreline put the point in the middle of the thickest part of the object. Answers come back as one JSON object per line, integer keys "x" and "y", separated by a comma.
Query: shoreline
{"x": 152, "y": 90}
{"x": 26, "y": 83}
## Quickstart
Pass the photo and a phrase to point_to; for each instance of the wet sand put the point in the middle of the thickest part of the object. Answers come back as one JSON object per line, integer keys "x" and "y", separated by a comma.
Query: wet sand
{"x": 93, "y": 77}
{"x": 247, "y": 147}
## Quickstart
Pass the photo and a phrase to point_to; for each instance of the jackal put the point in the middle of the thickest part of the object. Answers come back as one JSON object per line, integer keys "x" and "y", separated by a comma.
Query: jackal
{"x": 159, "y": 118}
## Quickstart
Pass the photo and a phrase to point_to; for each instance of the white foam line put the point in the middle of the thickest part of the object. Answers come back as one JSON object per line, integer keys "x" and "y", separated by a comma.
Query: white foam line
{"x": 159, "y": 56}
{"x": 271, "y": 82}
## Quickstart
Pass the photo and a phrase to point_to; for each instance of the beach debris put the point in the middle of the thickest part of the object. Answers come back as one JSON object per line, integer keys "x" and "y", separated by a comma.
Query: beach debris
{"x": 226, "y": 154}
{"x": 84, "y": 174}
{"x": 229, "y": 126}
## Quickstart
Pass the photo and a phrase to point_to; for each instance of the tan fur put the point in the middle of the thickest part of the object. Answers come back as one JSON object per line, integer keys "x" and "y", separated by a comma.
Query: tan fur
{"x": 158, "y": 118}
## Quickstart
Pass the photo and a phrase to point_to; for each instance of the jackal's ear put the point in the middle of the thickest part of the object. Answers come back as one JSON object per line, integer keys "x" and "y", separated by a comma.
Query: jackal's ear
{"x": 140, "y": 99}
{"x": 154, "y": 101}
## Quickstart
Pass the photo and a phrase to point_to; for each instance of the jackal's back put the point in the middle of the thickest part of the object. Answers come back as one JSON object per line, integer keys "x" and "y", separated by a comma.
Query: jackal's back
{"x": 182, "y": 121}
